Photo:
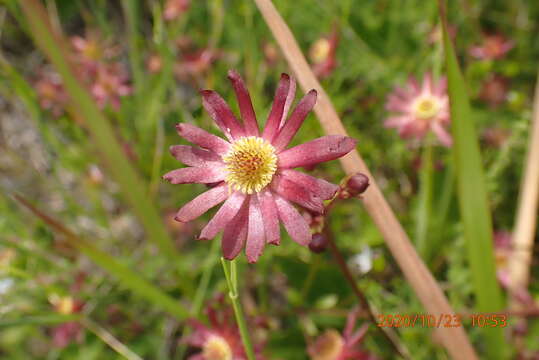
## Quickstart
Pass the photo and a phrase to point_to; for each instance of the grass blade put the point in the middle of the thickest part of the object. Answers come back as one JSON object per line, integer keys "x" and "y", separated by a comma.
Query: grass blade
{"x": 126, "y": 276}
{"x": 102, "y": 133}
{"x": 472, "y": 196}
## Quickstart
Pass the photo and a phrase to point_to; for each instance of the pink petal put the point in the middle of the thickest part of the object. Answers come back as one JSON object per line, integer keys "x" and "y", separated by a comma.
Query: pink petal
{"x": 198, "y": 175}
{"x": 235, "y": 233}
{"x": 277, "y": 109}
{"x": 255, "y": 232}
{"x": 289, "y": 99}
{"x": 397, "y": 121}
{"x": 427, "y": 83}
{"x": 442, "y": 134}
{"x": 245, "y": 104}
{"x": 223, "y": 216}
{"x": 297, "y": 193}
{"x": 441, "y": 88}
{"x": 294, "y": 223}
{"x": 202, "y": 203}
{"x": 291, "y": 127}
{"x": 270, "y": 216}
{"x": 220, "y": 112}
{"x": 326, "y": 148}
{"x": 202, "y": 138}
{"x": 193, "y": 156}
{"x": 323, "y": 189}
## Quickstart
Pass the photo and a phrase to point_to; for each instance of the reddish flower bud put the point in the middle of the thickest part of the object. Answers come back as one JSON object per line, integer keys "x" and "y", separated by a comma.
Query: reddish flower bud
{"x": 357, "y": 184}
{"x": 318, "y": 244}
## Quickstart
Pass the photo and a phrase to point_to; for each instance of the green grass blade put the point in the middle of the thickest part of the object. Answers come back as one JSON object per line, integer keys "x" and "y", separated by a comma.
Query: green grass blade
{"x": 101, "y": 131}
{"x": 472, "y": 196}
{"x": 124, "y": 274}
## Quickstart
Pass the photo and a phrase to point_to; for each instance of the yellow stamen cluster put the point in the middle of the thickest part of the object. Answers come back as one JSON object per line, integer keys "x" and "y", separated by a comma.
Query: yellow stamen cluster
{"x": 250, "y": 163}
{"x": 216, "y": 348}
{"x": 426, "y": 107}
{"x": 320, "y": 50}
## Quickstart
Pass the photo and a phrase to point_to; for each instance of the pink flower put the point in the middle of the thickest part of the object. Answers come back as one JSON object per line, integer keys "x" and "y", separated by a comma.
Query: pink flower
{"x": 111, "y": 82}
{"x": 333, "y": 346}
{"x": 420, "y": 108}
{"x": 252, "y": 170}
{"x": 220, "y": 340}
{"x": 494, "y": 90}
{"x": 66, "y": 333}
{"x": 51, "y": 93}
{"x": 494, "y": 47}
{"x": 174, "y": 8}
{"x": 323, "y": 54}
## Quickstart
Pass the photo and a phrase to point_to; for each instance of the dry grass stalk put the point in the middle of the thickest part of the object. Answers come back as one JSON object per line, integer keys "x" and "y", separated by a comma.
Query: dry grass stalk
{"x": 433, "y": 299}
{"x": 526, "y": 220}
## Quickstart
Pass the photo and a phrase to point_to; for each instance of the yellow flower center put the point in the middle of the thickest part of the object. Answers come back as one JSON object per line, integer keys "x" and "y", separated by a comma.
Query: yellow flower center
{"x": 65, "y": 305}
{"x": 251, "y": 163}
{"x": 320, "y": 50}
{"x": 216, "y": 348}
{"x": 426, "y": 107}
{"x": 328, "y": 346}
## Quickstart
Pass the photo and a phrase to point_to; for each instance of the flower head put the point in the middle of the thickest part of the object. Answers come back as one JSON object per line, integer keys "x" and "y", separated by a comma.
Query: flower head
{"x": 323, "y": 54}
{"x": 494, "y": 47}
{"x": 66, "y": 333}
{"x": 331, "y": 345}
{"x": 221, "y": 339}
{"x": 175, "y": 8}
{"x": 252, "y": 170}
{"x": 419, "y": 108}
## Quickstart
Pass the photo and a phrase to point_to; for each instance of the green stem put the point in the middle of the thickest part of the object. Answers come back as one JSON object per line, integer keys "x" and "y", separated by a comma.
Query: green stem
{"x": 425, "y": 202}
{"x": 232, "y": 282}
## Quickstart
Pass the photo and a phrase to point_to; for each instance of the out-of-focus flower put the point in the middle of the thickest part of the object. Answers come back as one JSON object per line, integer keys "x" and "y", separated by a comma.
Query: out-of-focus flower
{"x": 495, "y": 136}
{"x": 64, "y": 334}
{"x": 110, "y": 84}
{"x": 323, "y": 54}
{"x": 51, "y": 93}
{"x": 503, "y": 250}
{"x": 436, "y": 34}
{"x": 175, "y": 8}
{"x": 494, "y": 47}
{"x": 195, "y": 63}
{"x": 494, "y": 90}
{"x": 362, "y": 263}
{"x": 154, "y": 64}
{"x": 419, "y": 108}
{"x": 221, "y": 339}
{"x": 271, "y": 53}
{"x": 252, "y": 171}
{"x": 331, "y": 345}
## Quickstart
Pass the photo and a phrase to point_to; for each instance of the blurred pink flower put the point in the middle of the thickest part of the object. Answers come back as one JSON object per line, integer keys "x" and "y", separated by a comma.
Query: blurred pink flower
{"x": 111, "y": 82}
{"x": 419, "y": 108}
{"x": 175, "y": 8}
{"x": 252, "y": 171}
{"x": 220, "y": 340}
{"x": 494, "y": 90}
{"x": 51, "y": 93}
{"x": 333, "y": 346}
{"x": 323, "y": 54}
{"x": 494, "y": 47}
{"x": 66, "y": 333}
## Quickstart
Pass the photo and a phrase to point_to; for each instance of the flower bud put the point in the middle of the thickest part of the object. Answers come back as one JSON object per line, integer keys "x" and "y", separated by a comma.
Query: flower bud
{"x": 318, "y": 244}
{"x": 356, "y": 184}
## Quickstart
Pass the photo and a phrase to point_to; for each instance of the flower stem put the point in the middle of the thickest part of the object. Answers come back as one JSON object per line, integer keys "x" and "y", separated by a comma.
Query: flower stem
{"x": 232, "y": 282}
{"x": 425, "y": 201}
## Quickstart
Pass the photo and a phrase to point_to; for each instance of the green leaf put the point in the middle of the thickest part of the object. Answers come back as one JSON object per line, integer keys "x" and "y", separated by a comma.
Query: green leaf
{"x": 472, "y": 196}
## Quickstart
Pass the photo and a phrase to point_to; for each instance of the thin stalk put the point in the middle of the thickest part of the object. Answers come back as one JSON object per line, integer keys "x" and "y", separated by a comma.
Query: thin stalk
{"x": 425, "y": 203}
{"x": 232, "y": 282}
{"x": 109, "y": 339}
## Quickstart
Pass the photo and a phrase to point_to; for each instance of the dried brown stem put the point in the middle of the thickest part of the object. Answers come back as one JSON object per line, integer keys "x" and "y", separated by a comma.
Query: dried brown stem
{"x": 429, "y": 293}
{"x": 526, "y": 220}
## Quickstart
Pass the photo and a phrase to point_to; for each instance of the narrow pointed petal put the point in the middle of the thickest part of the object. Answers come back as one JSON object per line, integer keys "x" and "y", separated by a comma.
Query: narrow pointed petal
{"x": 326, "y": 148}
{"x": 289, "y": 100}
{"x": 294, "y": 223}
{"x": 291, "y": 127}
{"x": 202, "y": 203}
{"x": 324, "y": 189}
{"x": 298, "y": 194}
{"x": 245, "y": 104}
{"x": 255, "y": 232}
{"x": 277, "y": 109}
{"x": 220, "y": 112}
{"x": 193, "y": 156}
{"x": 196, "y": 175}
{"x": 270, "y": 216}
{"x": 223, "y": 216}
{"x": 442, "y": 134}
{"x": 235, "y": 233}
{"x": 203, "y": 138}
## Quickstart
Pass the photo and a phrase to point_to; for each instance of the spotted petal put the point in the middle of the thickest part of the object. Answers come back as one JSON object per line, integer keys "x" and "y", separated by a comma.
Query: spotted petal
{"x": 323, "y": 189}
{"x": 245, "y": 104}
{"x": 220, "y": 112}
{"x": 235, "y": 233}
{"x": 193, "y": 156}
{"x": 223, "y": 216}
{"x": 298, "y": 194}
{"x": 294, "y": 223}
{"x": 255, "y": 232}
{"x": 277, "y": 109}
{"x": 202, "y": 203}
{"x": 270, "y": 216}
{"x": 202, "y": 138}
{"x": 198, "y": 175}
